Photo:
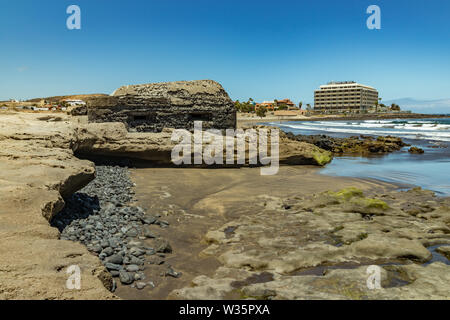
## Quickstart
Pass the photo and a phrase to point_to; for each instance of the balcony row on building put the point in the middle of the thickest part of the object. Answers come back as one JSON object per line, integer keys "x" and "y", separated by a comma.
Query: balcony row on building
{"x": 346, "y": 96}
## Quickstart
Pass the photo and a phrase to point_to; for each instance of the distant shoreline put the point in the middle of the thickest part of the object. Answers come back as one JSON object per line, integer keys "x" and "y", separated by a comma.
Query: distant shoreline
{"x": 385, "y": 116}
{"x": 243, "y": 120}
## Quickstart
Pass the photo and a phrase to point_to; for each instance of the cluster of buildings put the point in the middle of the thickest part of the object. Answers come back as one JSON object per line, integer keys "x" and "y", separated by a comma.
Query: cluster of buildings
{"x": 334, "y": 97}
{"x": 62, "y": 105}
{"x": 44, "y": 105}
{"x": 276, "y": 104}
{"x": 283, "y": 107}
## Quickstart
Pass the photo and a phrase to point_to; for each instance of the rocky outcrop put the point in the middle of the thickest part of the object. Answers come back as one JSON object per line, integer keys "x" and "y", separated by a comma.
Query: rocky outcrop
{"x": 38, "y": 169}
{"x": 320, "y": 246}
{"x": 408, "y": 282}
{"x": 153, "y": 107}
{"x": 112, "y": 139}
{"x": 445, "y": 251}
{"x": 416, "y": 150}
{"x": 360, "y": 145}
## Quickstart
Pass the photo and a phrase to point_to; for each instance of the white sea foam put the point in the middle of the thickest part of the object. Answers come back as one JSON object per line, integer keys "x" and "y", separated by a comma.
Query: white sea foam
{"x": 432, "y": 132}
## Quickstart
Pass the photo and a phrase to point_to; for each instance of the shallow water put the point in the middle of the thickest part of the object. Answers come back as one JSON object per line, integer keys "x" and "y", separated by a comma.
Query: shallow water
{"x": 437, "y": 257}
{"x": 430, "y": 170}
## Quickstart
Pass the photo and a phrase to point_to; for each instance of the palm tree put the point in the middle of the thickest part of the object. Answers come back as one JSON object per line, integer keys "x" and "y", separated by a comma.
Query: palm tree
{"x": 261, "y": 111}
{"x": 376, "y": 105}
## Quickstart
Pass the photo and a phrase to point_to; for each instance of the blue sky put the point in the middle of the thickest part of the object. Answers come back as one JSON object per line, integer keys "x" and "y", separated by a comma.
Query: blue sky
{"x": 259, "y": 49}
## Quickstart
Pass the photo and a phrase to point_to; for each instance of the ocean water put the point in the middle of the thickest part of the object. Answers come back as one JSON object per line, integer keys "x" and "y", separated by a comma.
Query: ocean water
{"x": 430, "y": 170}
{"x": 421, "y": 129}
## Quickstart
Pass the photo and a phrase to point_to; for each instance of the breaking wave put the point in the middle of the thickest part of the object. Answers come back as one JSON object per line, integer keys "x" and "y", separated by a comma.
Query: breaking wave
{"x": 432, "y": 129}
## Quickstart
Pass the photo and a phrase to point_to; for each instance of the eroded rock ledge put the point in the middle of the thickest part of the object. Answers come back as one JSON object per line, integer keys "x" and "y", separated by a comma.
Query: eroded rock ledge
{"x": 37, "y": 168}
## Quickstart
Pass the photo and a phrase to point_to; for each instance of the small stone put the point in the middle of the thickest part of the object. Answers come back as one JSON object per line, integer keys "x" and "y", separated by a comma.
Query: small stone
{"x": 137, "y": 252}
{"x": 96, "y": 249}
{"x": 113, "y": 243}
{"x": 116, "y": 259}
{"x": 114, "y": 273}
{"x": 172, "y": 273}
{"x": 134, "y": 243}
{"x": 125, "y": 277}
{"x": 135, "y": 260}
{"x": 113, "y": 266}
{"x": 141, "y": 275}
{"x": 162, "y": 223}
{"x": 108, "y": 251}
{"x": 140, "y": 285}
{"x": 156, "y": 260}
{"x": 163, "y": 246}
{"x": 104, "y": 244}
{"x": 148, "y": 219}
{"x": 148, "y": 234}
{"x": 132, "y": 268}
{"x": 132, "y": 233}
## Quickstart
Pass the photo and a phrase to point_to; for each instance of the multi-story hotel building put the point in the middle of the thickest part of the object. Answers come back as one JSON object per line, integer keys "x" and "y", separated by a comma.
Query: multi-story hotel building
{"x": 344, "y": 96}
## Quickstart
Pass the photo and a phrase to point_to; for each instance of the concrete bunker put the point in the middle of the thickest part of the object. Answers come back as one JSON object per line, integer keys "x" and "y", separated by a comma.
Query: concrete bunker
{"x": 153, "y": 107}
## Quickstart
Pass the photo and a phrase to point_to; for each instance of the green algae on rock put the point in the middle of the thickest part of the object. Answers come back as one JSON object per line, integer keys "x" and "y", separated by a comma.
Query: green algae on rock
{"x": 322, "y": 157}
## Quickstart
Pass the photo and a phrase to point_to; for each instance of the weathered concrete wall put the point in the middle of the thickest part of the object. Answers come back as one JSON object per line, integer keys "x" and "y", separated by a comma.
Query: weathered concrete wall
{"x": 152, "y": 107}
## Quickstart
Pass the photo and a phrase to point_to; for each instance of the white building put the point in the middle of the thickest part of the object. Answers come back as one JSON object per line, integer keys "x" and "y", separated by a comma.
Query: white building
{"x": 345, "y": 96}
{"x": 73, "y": 102}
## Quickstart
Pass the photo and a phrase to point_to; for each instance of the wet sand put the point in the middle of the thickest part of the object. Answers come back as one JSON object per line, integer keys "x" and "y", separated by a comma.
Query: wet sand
{"x": 195, "y": 201}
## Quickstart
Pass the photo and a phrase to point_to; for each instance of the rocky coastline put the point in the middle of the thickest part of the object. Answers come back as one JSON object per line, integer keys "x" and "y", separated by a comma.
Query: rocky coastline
{"x": 59, "y": 210}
